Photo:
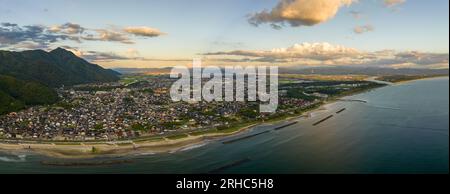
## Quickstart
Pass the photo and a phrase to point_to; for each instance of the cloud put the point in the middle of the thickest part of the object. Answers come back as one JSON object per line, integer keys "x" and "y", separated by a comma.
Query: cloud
{"x": 95, "y": 56}
{"x": 27, "y": 45}
{"x": 102, "y": 56}
{"x": 132, "y": 53}
{"x": 7, "y": 24}
{"x": 299, "y": 12}
{"x": 67, "y": 28}
{"x": 392, "y": 3}
{"x": 356, "y": 14}
{"x": 40, "y": 36}
{"x": 129, "y": 54}
{"x": 421, "y": 58}
{"x": 122, "y": 35}
{"x": 144, "y": 31}
{"x": 13, "y": 34}
{"x": 319, "y": 51}
{"x": 363, "y": 29}
{"x": 108, "y": 35}
{"x": 325, "y": 54}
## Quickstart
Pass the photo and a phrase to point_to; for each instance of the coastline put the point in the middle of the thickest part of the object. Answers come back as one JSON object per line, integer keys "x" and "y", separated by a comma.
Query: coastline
{"x": 109, "y": 149}
{"x": 85, "y": 150}
{"x": 416, "y": 79}
{"x": 89, "y": 150}
{"x": 425, "y": 78}
{"x": 104, "y": 149}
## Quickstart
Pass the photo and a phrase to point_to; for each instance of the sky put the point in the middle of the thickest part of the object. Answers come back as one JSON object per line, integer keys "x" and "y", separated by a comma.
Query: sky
{"x": 304, "y": 33}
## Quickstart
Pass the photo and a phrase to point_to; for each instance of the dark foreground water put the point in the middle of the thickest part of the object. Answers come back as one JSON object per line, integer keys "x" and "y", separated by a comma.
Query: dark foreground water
{"x": 401, "y": 129}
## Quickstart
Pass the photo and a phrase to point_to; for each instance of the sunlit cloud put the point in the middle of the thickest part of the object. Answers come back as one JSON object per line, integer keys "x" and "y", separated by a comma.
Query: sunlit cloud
{"x": 299, "y": 12}
{"x": 67, "y": 28}
{"x": 130, "y": 54}
{"x": 15, "y": 35}
{"x": 363, "y": 29}
{"x": 144, "y": 31}
{"x": 325, "y": 54}
{"x": 392, "y": 3}
{"x": 97, "y": 56}
{"x": 321, "y": 51}
{"x": 108, "y": 35}
{"x": 356, "y": 14}
{"x": 40, "y": 36}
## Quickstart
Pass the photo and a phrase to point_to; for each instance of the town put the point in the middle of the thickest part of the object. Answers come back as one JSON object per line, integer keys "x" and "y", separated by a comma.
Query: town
{"x": 141, "y": 106}
{"x": 219, "y": 89}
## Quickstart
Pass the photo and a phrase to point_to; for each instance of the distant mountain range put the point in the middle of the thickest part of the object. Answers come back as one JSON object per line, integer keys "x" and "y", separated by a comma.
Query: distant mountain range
{"x": 54, "y": 68}
{"x": 165, "y": 70}
{"x": 372, "y": 71}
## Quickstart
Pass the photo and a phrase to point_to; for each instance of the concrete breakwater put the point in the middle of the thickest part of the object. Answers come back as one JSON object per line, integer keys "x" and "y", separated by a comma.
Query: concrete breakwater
{"x": 245, "y": 137}
{"x": 85, "y": 163}
{"x": 323, "y": 120}
{"x": 284, "y": 126}
{"x": 342, "y": 110}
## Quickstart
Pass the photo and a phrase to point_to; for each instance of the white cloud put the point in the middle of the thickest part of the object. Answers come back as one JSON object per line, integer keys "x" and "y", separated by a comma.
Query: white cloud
{"x": 67, "y": 28}
{"x": 96, "y": 56}
{"x": 144, "y": 31}
{"x": 320, "y": 51}
{"x": 299, "y": 12}
{"x": 28, "y": 45}
{"x": 109, "y": 35}
{"x": 356, "y": 14}
{"x": 392, "y": 3}
{"x": 363, "y": 29}
{"x": 16, "y": 37}
{"x": 325, "y": 54}
{"x": 132, "y": 53}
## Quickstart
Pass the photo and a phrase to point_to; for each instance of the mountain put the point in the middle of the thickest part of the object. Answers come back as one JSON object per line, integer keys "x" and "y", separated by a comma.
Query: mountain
{"x": 16, "y": 94}
{"x": 54, "y": 68}
{"x": 374, "y": 71}
{"x": 146, "y": 71}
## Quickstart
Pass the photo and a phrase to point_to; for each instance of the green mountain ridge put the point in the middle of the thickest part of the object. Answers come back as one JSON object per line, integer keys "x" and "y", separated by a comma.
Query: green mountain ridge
{"x": 27, "y": 78}
{"x": 17, "y": 94}
{"x": 54, "y": 68}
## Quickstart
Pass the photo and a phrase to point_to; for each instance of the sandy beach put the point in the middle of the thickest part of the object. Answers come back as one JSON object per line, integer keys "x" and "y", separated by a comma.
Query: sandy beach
{"x": 111, "y": 149}
{"x": 77, "y": 150}
{"x": 123, "y": 148}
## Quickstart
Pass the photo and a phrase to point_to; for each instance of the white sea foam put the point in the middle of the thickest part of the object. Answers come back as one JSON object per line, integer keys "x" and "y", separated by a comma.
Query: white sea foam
{"x": 146, "y": 154}
{"x": 18, "y": 158}
{"x": 193, "y": 147}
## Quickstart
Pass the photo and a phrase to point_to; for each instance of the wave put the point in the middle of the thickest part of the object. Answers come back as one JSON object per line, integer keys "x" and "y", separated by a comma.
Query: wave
{"x": 384, "y": 107}
{"x": 193, "y": 147}
{"x": 18, "y": 158}
{"x": 145, "y": 154}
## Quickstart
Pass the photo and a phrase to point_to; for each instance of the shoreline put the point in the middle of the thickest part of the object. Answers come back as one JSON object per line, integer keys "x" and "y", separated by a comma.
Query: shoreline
{"x": 110, "y": 149}
{"x": 86, "y": 150}
{"x": 114, "y": 149}
{"x": 106, "y": 149}
{"x": 416, "y": 79}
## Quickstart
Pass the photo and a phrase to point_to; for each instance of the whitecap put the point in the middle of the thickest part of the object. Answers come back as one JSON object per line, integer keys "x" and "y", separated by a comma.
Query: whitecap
{"x": 18, "y": 158}
{"x": 145, "y": 153}
{"x": 193, "y": 147}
